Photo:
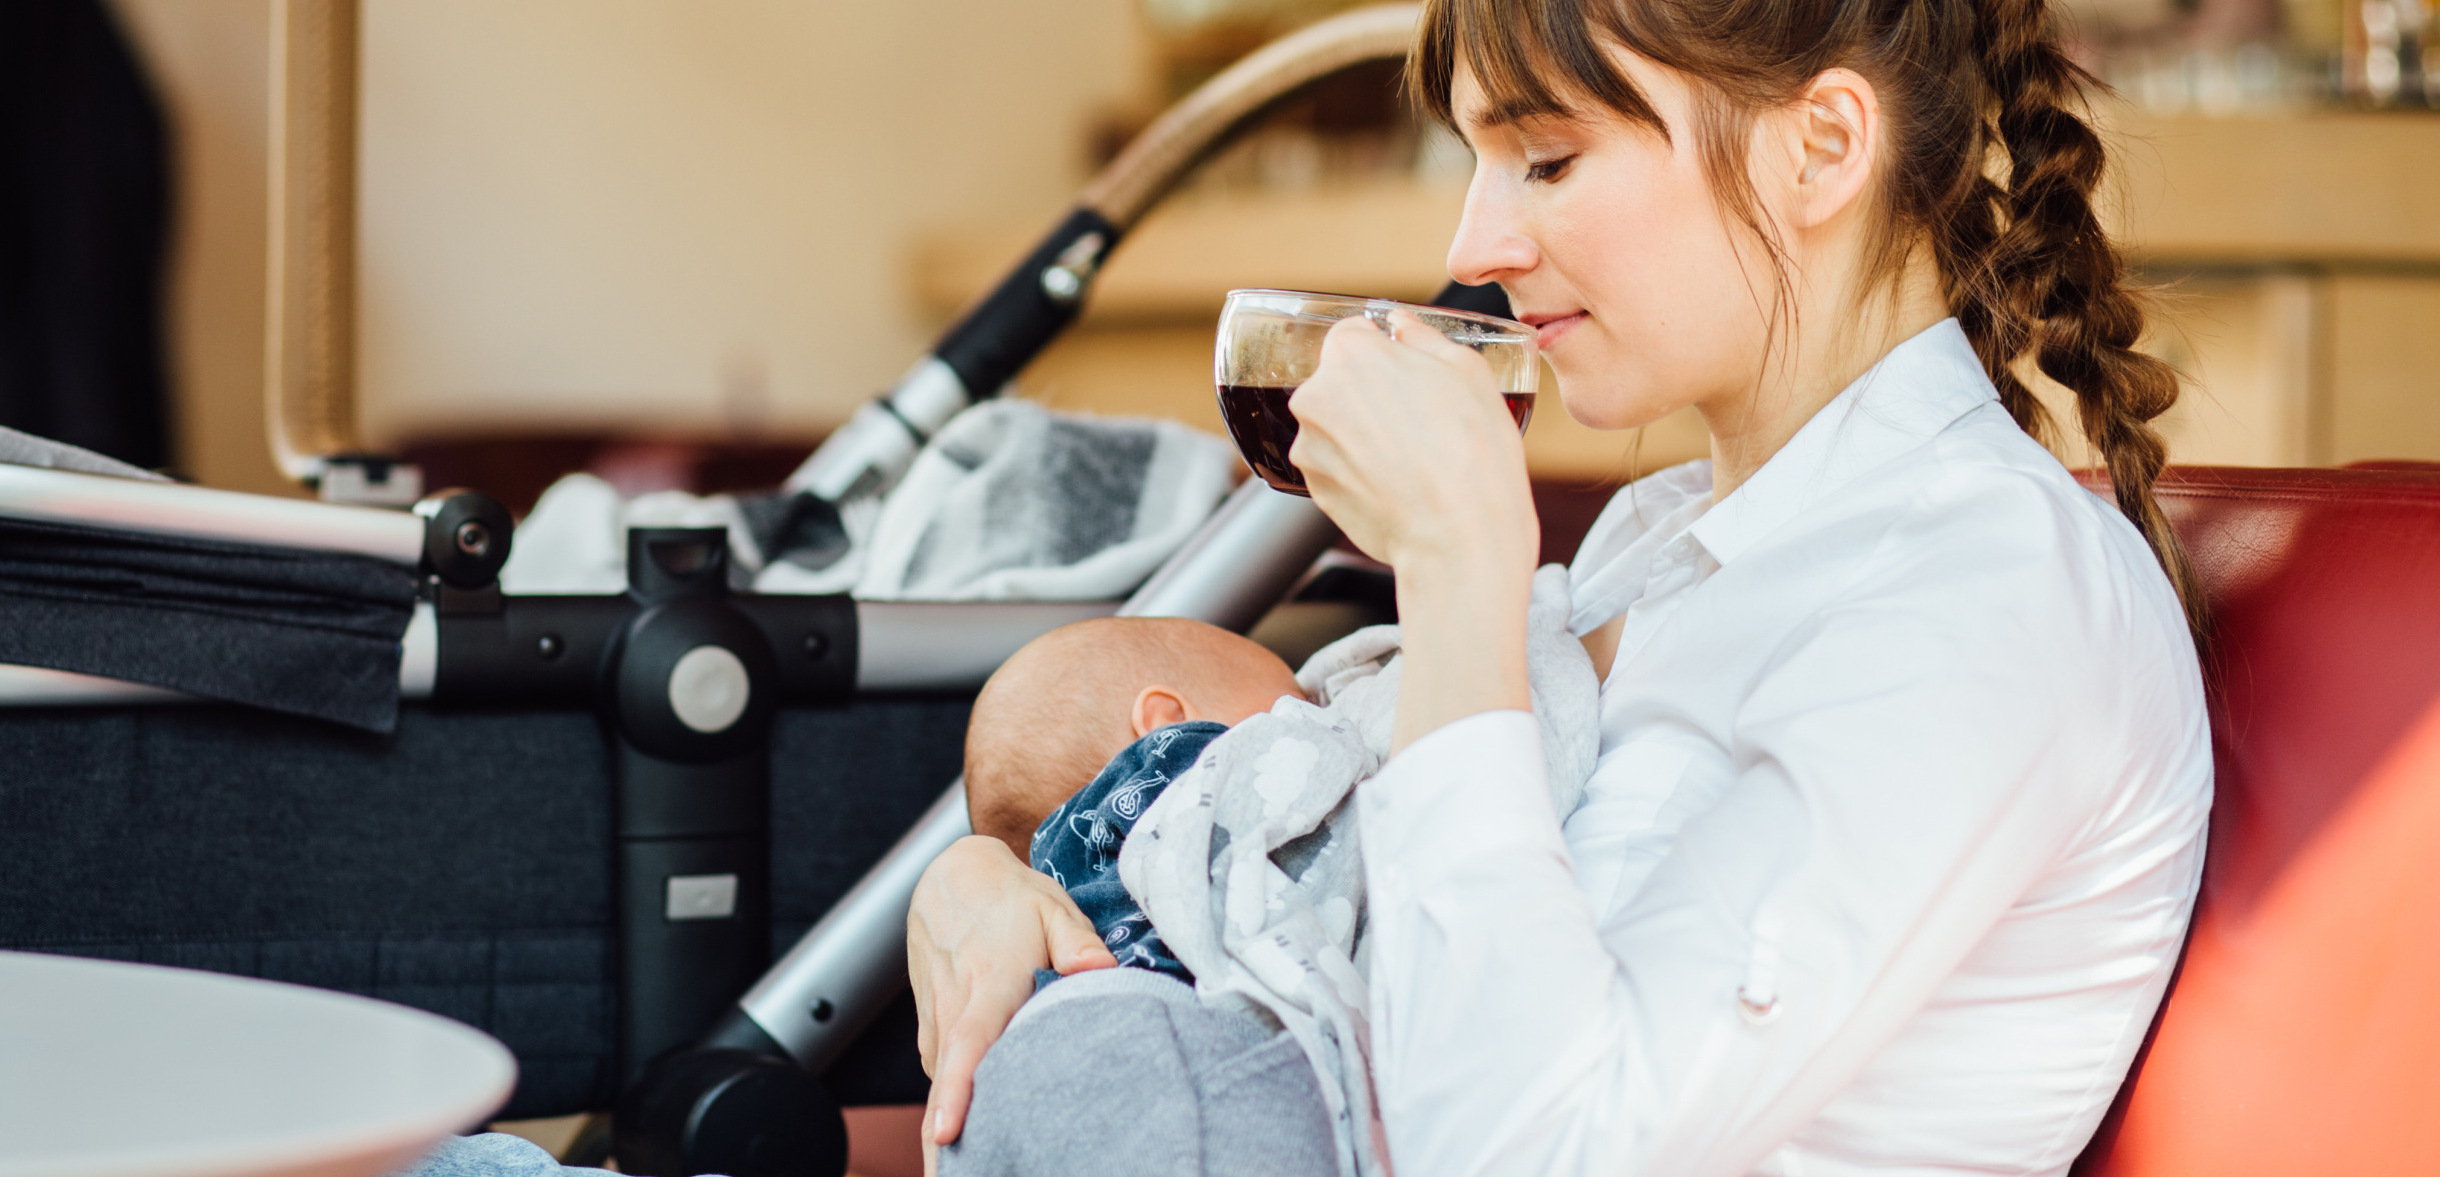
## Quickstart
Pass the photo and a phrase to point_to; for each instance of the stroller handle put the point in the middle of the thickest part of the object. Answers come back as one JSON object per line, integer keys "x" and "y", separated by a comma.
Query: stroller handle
{"x": 309, "y": 313}
{"x": 1044, "y": 293}
{"x": 1162, "y": 155}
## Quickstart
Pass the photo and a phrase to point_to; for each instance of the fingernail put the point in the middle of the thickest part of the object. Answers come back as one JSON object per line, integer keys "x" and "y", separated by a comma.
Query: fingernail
{"x": 931, "y": 1125}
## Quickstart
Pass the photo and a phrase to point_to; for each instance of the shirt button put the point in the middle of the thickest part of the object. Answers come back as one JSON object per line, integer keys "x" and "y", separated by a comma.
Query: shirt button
{"x": 1758, "y": 1008}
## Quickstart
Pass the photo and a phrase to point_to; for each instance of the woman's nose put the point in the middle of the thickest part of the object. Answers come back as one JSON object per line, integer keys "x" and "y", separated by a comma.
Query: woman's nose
{"x": 1490, "y": 245}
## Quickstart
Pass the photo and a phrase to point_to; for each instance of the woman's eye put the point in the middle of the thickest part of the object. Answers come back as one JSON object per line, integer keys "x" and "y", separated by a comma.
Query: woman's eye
{"x": 1548, "y": 170}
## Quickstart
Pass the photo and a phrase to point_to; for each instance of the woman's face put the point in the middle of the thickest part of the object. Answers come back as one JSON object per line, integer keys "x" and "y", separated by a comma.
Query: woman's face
{"x": 1608, "y": 239}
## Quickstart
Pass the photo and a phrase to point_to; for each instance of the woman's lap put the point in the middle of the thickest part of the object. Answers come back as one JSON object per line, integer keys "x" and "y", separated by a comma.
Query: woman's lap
{"x": 1123, "y": 1071}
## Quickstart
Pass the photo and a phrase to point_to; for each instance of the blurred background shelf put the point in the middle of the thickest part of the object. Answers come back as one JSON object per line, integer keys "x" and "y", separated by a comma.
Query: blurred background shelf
{"x": 2334, "y": 189}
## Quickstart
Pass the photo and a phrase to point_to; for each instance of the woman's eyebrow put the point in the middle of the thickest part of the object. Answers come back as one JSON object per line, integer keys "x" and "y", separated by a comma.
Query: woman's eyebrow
{"x": 1492, "y": 118}
{"x": 1509, "y": 113}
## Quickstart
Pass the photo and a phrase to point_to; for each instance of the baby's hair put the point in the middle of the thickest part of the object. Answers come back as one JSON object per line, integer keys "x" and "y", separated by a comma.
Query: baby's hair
{"x": 1992, "y": 168}
{"x": 1060, "y": 708}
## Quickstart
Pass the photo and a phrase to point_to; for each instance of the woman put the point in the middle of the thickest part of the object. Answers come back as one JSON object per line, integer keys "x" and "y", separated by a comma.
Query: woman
{"x": 1904, "y": 773}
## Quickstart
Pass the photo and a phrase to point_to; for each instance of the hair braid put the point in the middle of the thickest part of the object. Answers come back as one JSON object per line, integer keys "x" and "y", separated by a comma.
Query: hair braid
{"x": 2034, "y": 273}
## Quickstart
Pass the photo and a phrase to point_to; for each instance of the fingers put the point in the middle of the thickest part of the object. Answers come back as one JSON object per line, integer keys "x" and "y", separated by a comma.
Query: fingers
{"x": 1075, "y": 946}
{"x": 920, "y": 979}
{"x": 1408, "y": 329}
{"x": 953, "y": 1086}
{"x": 927, "y": 1034}
{"x": 1354, "y": 331}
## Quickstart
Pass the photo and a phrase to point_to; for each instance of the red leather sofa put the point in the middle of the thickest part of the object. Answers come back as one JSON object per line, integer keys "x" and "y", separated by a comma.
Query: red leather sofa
{"x": 2303, "y": 1033}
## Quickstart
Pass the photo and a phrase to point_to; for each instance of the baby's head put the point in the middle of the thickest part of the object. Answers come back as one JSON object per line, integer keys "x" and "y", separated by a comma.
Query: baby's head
{"x": 1077, "y": 696}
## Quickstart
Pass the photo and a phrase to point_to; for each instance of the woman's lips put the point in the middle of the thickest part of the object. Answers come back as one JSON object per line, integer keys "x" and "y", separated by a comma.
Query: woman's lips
{"x": 1548, "y": 328}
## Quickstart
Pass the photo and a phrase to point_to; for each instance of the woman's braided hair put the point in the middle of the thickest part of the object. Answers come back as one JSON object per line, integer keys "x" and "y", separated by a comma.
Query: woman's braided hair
{"x": 1991, "y": 167}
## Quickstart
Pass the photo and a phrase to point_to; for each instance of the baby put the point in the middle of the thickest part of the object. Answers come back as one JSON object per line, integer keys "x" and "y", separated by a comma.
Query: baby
{"x": 1074, "y": 737}
{"x": 1258, "y": 1062}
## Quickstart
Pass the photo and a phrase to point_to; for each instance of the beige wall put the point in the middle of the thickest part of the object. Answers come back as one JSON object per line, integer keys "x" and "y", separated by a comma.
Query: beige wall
{"x": 669, "y": 215}
{"x": 644, "y": 214}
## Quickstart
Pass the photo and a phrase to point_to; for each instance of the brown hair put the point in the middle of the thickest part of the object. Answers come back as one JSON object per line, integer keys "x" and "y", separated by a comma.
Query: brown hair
{"x": 1971, "y": 90}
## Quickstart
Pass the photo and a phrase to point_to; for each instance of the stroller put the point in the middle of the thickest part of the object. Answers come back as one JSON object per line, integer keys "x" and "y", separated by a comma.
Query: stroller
{"x": 775, "y": 764}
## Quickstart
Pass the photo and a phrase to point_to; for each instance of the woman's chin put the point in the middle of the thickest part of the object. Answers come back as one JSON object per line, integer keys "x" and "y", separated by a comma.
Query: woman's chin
{"x": 1610, "y": 407}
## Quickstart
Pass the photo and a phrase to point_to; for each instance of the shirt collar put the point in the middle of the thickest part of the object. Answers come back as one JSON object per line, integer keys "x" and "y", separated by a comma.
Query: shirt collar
{"x": 1920, "y": 388}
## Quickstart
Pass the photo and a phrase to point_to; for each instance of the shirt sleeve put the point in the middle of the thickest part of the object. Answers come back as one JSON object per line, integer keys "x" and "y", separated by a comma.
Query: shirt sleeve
{"x": 1894, "y": 791}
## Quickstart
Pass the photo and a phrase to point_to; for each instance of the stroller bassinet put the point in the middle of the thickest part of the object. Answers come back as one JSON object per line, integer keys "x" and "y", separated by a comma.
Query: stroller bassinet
{"x": 471, "y": 861}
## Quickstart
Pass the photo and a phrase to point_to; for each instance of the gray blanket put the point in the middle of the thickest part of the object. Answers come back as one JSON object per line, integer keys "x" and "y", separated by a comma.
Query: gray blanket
{"x": 1011, "y": 502}
{"x": 1249, "y": 863}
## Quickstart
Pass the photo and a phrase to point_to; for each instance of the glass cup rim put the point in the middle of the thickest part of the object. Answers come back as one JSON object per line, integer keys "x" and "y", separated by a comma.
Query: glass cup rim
{"x": 1363, "y": 303}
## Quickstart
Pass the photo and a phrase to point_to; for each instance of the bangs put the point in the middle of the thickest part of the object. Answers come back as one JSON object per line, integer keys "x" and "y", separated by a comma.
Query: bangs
{"x": 1531, "y": 58}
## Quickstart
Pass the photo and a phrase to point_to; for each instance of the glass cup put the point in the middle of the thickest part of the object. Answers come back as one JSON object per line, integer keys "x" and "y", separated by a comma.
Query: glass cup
{"x": 1271, "y": 340}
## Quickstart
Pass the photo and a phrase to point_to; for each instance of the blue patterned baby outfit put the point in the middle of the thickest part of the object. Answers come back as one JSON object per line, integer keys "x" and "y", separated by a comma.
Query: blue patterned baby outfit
{"x": 1077, "y": 845}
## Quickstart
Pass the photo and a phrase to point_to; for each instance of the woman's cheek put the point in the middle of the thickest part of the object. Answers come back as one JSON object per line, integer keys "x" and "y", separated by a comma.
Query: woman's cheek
{"x": 1690, "y": 331}
{"x": 1628, "y": 365}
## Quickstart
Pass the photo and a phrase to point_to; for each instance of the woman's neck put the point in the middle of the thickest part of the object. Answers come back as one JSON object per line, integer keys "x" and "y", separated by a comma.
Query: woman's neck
{"x": 1832, "y": 341}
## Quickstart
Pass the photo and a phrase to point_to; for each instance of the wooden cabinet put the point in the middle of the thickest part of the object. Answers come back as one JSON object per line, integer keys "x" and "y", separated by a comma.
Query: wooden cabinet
{"x": 2299, "y": 264}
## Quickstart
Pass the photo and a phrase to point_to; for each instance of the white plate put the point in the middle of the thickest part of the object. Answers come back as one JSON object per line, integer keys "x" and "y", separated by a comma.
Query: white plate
{"x": 126, "y": 1070}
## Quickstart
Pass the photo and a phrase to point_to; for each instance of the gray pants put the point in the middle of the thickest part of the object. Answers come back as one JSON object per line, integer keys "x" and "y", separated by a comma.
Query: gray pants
{"x": 1122, "y": 1071}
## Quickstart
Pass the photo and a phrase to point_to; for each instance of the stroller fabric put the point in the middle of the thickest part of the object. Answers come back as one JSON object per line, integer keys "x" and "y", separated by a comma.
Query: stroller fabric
{"x": 1249, "y": 863}
{"x": 306, "y": 633}
{"x": 1010, "y": 502}
{"x": 458, "y": 865}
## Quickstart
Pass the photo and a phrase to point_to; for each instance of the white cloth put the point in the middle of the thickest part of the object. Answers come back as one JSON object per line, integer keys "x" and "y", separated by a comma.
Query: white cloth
{"x": 25, "y": 449}
{"x": 1010, "y": 502}
{"x": 1249, "y": 863}
{"x": 1894, "y": 836}
{"x": 574, "y": 541}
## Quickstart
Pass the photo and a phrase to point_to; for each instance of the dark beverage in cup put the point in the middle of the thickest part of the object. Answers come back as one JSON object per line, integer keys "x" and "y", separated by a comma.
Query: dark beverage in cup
{"x": 1271, "y": 340}
{"x": 1263, "y": 428}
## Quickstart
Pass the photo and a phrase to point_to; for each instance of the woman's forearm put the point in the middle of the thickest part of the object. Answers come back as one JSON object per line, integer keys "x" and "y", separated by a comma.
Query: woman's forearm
{"x": 1462, "y": 625}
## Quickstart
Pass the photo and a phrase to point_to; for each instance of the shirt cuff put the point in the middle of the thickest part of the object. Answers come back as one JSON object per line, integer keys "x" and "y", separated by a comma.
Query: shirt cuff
{"x": 1471, "y": 787}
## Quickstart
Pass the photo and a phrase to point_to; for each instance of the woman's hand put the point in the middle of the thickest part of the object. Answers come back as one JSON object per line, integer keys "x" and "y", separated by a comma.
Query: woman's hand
{"x": 1405, "y": 443}
{"x": 980, "y": 924}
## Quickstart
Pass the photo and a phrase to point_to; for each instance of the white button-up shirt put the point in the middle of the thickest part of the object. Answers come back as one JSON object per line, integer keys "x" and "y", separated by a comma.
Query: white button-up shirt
{"x": 1892, "y": 842}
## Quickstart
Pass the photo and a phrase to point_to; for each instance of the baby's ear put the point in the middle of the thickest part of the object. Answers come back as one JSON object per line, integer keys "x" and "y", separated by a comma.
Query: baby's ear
{"x": 1157, "y": 707}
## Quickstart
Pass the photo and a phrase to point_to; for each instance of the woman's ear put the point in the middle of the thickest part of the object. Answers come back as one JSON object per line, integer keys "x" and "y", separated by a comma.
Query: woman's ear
{"x": 1157, "y": 708}
{"x": 1839, "y": 123}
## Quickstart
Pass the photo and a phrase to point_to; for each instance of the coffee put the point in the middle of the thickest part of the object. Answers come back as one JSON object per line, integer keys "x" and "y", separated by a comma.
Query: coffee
{"x": 1263, "y": 428}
